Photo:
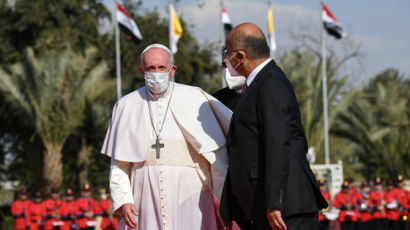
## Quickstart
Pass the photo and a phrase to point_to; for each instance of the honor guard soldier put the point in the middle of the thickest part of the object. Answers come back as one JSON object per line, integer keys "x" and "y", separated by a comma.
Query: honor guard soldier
{"x": 323, "y": 221}
{"x": 392, "y": 206}
{"x": 354, "y": 192}
{"x": 347, "y": 204}
{"x": 364, "y": 209}
{"x": 19, "y": 210}
{"x": 88, "y": 209}
{"x": 69, "y": 211}
{"x": 377, "y": 202}
{"x": 53, "y": 205}
{"x": 36, "y": 212}
{"x": 403, "y": 198}
{"x": 109, "y": 221}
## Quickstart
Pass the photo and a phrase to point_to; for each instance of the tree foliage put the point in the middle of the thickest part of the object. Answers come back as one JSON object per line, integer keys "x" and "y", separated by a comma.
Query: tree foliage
{"x": 49, "y": 24}
{"x": 57, "y": 62}
{"x": 57, "y": 90}
{"x": 304, "y": 71}
{"x": 379, "y": 125}
{"x": 52, "y": 92}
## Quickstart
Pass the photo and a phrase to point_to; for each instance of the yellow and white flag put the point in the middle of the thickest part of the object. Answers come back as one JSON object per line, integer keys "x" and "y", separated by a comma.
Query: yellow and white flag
{"x": 175, "y": 29}
{"x": 271, "y": 29}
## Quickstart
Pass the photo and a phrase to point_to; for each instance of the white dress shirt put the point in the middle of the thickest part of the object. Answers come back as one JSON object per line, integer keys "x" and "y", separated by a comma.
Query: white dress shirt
{"x": 253, "y": 74}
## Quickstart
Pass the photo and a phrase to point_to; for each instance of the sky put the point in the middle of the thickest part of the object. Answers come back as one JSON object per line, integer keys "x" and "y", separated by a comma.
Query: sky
{"x": 379, "y": 29}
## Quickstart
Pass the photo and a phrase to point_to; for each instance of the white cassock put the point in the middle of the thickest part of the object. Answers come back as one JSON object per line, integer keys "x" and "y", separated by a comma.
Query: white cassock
{"x": 175, "y": 191}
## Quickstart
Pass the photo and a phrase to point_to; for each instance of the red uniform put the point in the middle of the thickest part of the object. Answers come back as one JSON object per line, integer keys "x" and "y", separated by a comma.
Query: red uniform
{"x": 407, "y": 205}
{"x": 106, "y": 207}
{"x": 341, "y": 202}
{"x": 327, "y": 197}
{"x": 375, "y": 202}
{"x": 84, "y": 205}
{"x": 354, "y": 192}
{"x": 21, "y": 214}
{"x": 401, "y": 195}
{"x": 36, "y": 212}
{"x": 365, "y": 211}
{"x": 392, "y": 205}
{"x": 69, "y": 211}
{"x": 52, "y": 207}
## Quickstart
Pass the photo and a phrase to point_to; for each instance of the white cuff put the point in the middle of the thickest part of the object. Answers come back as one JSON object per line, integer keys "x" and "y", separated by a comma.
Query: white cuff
{"x": 121, "y": 192}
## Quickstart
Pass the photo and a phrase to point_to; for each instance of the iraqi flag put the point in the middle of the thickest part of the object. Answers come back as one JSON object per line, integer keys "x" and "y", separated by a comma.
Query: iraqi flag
{"x": 128, "y": 24}
{"x": 226, "y": 21}
{"x": 331, "y": 24}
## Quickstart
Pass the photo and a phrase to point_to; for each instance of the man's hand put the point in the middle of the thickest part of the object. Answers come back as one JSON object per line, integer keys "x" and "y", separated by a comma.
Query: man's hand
{"x": 89, "y": 214}
{"x": 56, "y": 216}
{"x": 128, "y": 210}
{"x": 275, "y": 219}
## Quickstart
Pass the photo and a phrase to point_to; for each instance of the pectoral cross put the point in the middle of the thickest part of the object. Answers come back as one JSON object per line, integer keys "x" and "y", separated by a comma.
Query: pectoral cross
{"x": 157, "y": 146}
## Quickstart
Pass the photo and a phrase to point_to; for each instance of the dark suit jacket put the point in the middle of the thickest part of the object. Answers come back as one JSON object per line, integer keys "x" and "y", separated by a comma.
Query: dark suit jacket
{"x": 228, "y": 97}
{"x": 267, "y": 148}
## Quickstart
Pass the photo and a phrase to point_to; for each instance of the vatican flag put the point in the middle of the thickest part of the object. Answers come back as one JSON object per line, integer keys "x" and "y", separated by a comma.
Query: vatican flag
{"x": 175, "y": 29}
{"x": 271, "y": 29}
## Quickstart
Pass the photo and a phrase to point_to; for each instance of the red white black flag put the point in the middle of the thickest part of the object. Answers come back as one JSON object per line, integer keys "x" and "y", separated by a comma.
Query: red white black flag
{"x": 226, "y": 20}
{"x": 128, "y": 24}
{"x": 331, "y": 24}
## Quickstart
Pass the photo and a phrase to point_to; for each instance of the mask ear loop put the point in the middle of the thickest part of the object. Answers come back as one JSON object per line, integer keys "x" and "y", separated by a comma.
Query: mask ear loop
{"x": 173, "y": 78}
{"x": 229, "y": 59}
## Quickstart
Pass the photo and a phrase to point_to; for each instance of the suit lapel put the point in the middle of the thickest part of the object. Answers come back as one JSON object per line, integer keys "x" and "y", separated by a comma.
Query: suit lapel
{"x": 248, "y": 91}
{"x": 253, "y": 84}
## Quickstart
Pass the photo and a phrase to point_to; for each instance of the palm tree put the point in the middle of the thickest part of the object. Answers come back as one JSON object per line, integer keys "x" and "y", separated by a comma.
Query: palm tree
{"x": 52, "y": 90}
{"x": 304, "y": 71}
{"x": 378, "y": 123}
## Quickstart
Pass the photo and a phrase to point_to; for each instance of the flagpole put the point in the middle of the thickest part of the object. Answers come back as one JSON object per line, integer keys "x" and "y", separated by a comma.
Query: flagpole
{"x": 324, "y": 87}
{"x": 170, "y": 28}
{"x": 222, "y": 37}
{"x": 117, "y": 51}
{"x": 271, "y": 50}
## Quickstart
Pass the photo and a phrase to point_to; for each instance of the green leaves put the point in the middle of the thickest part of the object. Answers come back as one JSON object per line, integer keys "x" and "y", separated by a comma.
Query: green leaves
{"x": 377, "y": 122}
{"x": 57, "y": 71}
{"x": 53, "y": 91}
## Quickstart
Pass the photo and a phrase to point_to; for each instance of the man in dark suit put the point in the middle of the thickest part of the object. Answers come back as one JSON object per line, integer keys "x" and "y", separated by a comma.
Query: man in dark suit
{"x": 229, "y": 95}
{"x": 269, "y": 182}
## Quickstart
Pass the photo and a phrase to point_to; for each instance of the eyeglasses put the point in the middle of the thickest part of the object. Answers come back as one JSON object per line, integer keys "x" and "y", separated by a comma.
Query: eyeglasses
{"x": 224, "y": 52}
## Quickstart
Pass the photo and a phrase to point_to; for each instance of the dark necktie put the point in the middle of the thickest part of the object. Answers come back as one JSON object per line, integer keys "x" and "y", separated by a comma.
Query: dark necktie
{"x": 244, "y": 88}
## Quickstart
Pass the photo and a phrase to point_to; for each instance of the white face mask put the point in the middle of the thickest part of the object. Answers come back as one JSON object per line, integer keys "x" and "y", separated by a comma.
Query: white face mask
{"x": 236, "y": 82}
{"x": 232, "y": 70}
{"x": 157, "y": 82}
